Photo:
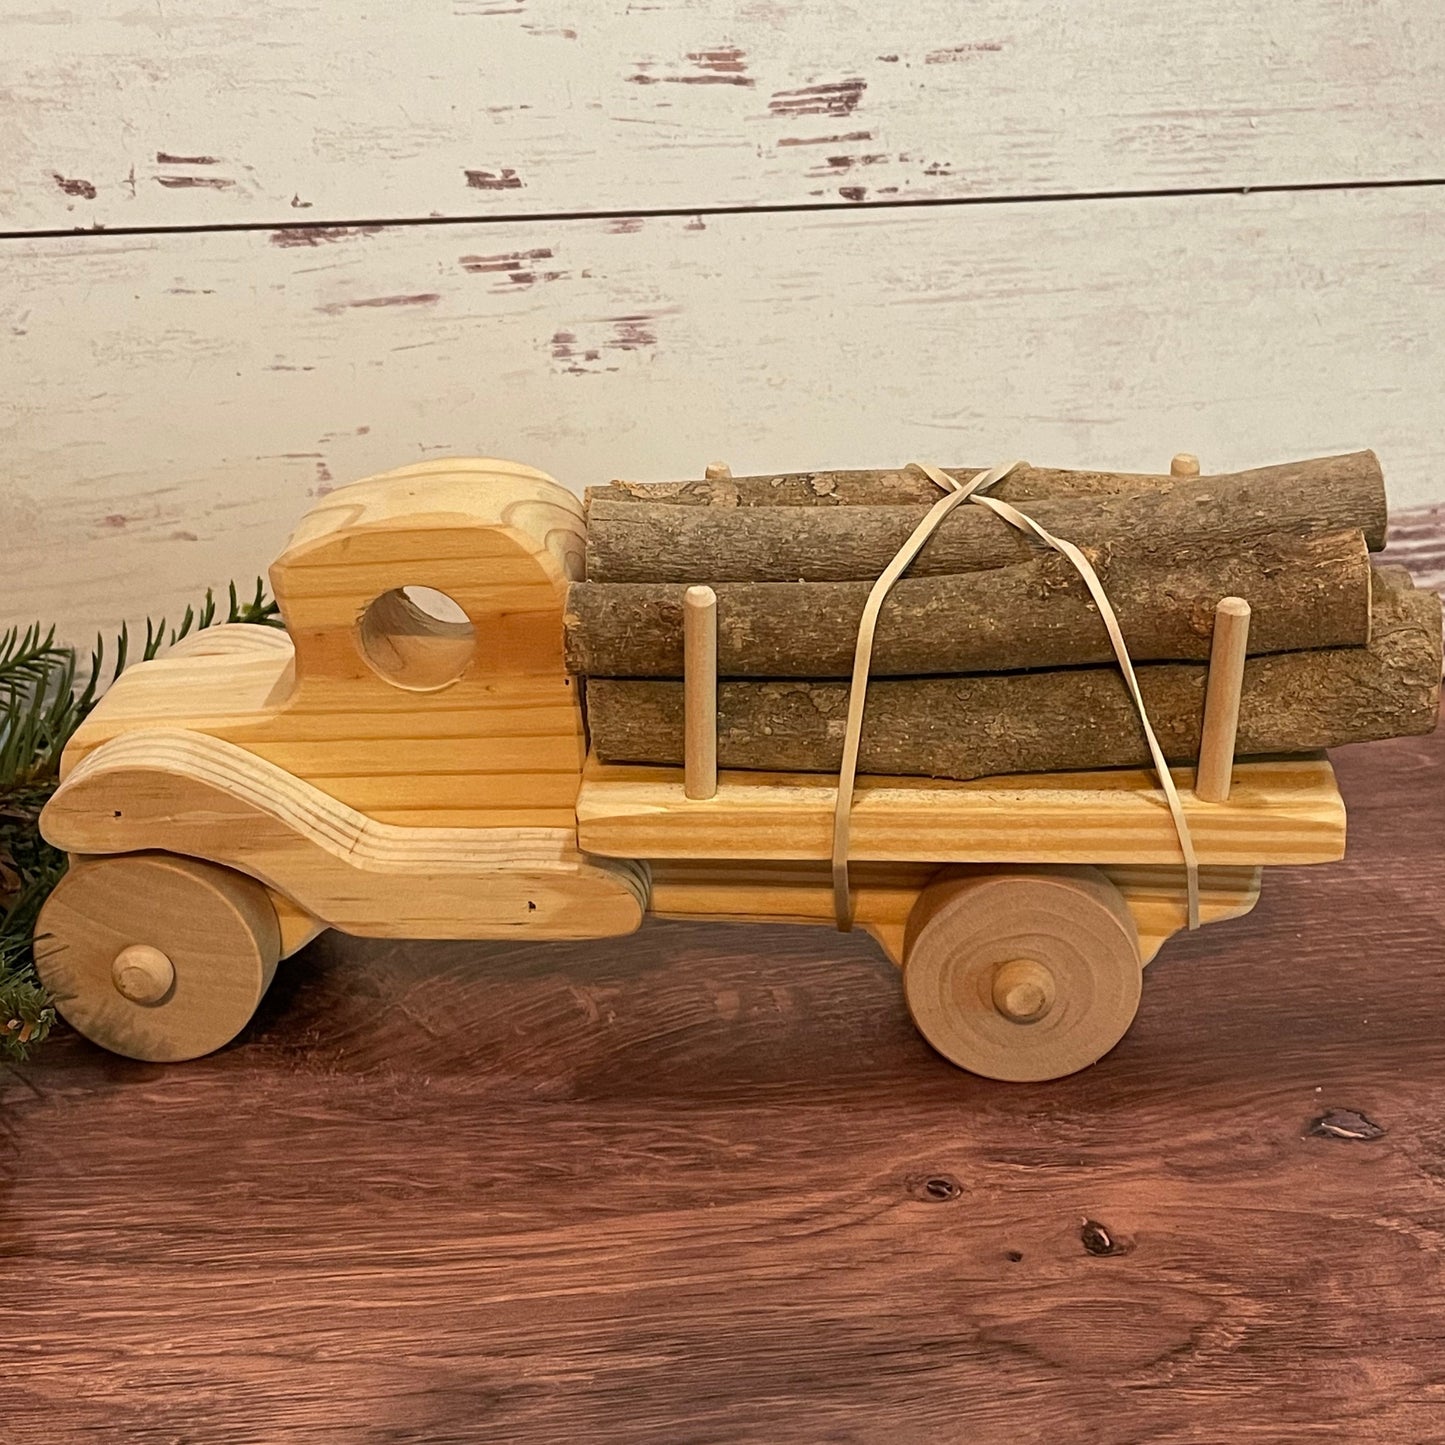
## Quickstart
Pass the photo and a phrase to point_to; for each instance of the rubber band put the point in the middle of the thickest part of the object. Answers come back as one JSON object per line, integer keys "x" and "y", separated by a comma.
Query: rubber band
{"x": 956, "y": 493}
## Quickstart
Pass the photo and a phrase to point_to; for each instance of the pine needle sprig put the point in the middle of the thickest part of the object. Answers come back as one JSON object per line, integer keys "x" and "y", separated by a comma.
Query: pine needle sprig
{"x": 26, "y": 1011}
{"x": 39, "y": 708}
{"x": 26, "y": 660}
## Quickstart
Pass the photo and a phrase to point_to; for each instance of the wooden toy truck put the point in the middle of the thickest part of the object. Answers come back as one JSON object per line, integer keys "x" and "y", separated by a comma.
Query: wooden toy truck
{"x": 387, "y": 773}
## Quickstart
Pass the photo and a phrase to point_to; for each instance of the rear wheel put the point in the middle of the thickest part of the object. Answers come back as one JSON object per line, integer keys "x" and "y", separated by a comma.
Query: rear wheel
{"x": 1023, "y": 975}
{"x": 157, "y": 957}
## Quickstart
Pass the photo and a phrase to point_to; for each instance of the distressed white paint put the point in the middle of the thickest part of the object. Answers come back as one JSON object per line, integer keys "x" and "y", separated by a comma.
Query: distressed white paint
{"x": 171, "y": 404}
{"x": 377, "y": 109}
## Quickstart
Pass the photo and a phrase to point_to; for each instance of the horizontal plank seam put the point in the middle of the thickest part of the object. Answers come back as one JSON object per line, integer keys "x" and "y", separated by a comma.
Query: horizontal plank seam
{"x": 666, "y": 212}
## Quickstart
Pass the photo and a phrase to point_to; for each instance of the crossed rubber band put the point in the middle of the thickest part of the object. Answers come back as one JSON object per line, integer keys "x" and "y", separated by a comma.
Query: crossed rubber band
{"x": 955, "y": 494}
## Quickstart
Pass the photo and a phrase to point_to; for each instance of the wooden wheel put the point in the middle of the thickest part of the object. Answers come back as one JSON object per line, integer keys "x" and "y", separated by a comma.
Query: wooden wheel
{"x": 1023, "y": 975}
{"x": 157, "y": 957}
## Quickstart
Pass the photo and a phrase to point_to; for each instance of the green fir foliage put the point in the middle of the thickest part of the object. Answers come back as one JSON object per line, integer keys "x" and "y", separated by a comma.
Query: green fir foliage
{"x": 45, "y": 693}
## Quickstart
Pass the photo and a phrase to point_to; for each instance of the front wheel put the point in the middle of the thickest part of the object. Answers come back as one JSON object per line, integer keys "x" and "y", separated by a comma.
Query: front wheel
{"x": 157, "y": 957}
{"x": 1022, "y": 975}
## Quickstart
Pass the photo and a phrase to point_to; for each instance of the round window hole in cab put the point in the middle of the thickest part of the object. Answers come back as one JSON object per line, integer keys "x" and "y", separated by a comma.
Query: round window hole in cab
{"x": 416, "y": 638}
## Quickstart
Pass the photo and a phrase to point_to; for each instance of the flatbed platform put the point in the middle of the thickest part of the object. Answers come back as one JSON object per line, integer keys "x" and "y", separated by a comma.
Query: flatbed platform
{"x": 1280, "y": 811}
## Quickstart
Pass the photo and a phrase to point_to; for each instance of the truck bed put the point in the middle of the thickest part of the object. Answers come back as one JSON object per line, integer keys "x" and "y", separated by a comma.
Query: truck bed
{"x": 1284, "y": 810}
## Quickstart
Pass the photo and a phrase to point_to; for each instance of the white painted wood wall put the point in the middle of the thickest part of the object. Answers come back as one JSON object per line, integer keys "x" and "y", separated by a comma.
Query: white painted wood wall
{"x": 252, "y": 252}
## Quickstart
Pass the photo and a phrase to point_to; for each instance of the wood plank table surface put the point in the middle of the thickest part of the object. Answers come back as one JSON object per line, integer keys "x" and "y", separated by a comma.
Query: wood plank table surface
{"x": 707, "y": 1184}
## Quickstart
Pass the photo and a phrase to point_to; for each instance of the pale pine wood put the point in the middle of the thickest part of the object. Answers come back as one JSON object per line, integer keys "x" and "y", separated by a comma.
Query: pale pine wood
{"x": 884, "y": 895}
{"x": 367, "y": 349}
{"x": 298, "y": 925}
{"x": 1184, "y": 464}
{"x": 188, "y": 793}
{"x": 235, "y": 694}
{"x": 1225, "y": 684}
{"x": 344, "y": 110}
{"x": 361, "y": 710}
{"x": 327, "y": 865}
{"x": 699, "y": 663}
{"x": 1159, "y": 902}
{"x": 157, "y": 957}
{"x": 1286, "y": 811}
{"x": 234, "y": 639}
{"x": 1022, "y": 975}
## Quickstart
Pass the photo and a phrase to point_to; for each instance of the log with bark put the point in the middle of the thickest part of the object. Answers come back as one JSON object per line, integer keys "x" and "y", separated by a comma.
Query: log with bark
{"x": 1078, "y": 718}
{"x": 903, "y": 485}
{"x": 685, "y": 542}
{"x": 1304, "y": 592}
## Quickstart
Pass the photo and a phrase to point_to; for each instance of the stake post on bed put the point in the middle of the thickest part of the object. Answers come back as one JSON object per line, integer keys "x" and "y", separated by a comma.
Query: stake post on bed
{"x": 1221, "y": 700}
{"x": 699, "y": 668}
{"x": 717, "y": 472}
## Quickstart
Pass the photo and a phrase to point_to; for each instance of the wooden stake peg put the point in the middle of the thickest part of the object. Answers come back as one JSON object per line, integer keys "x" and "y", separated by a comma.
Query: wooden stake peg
{"x": 699, "y": 666}
{"x": 1221, "y": 703}
{"x": 717, "y": 472}
{"x": 1184, "y": 464}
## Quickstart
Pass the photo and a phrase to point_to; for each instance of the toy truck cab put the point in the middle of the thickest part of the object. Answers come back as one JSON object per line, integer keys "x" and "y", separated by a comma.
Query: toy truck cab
{"x": 387, "y": 772}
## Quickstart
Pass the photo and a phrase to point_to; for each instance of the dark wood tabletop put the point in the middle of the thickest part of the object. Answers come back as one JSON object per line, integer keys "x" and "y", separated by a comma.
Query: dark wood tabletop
{"x": 707, "y": 1184}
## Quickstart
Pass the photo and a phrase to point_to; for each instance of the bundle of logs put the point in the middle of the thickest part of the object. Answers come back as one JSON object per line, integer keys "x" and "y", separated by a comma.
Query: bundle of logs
{"x": 990, "y": 656}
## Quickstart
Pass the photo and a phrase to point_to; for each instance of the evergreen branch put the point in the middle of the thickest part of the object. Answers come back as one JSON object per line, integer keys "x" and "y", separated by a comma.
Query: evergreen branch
{"x": 27, "y": 660}
{"x": 35, "y": 725}
{"x": 26, "y": 1010}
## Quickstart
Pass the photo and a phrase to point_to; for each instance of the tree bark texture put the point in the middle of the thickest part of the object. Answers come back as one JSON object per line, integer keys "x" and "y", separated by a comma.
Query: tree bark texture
{"x": 1304, "y": 592}
{"x": 900, "y": 486}
{"x": 681, "y": 542}
{"x": 1079, "y": 718}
